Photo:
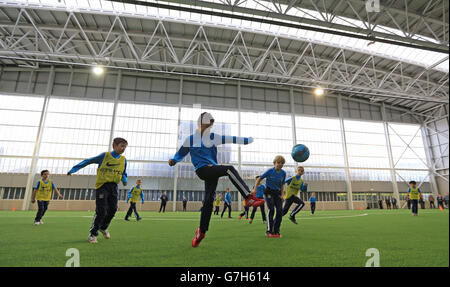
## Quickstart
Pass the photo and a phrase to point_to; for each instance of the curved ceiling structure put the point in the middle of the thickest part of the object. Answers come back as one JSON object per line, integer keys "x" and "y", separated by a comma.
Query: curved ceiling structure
{"x": 423, "y": 24}
{"x": 33, "y": 35}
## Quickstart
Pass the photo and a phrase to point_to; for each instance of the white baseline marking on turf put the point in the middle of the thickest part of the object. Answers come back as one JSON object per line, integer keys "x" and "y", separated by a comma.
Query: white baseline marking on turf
{"x": 300, "y": 216}
{"x": 189, "y": 219}
{"x": 333, "y": 217}
{"x": 403, "y": 213}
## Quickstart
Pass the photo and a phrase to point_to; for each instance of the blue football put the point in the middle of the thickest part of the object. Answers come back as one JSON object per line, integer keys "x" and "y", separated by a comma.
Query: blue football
{"x": 300, "y": 153}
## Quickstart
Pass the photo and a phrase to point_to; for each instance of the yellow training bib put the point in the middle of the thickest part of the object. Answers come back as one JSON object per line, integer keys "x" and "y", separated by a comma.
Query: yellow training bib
{"x": 414, "y": 193}
{"x": 44, "y": 192}
{"x": 135, "y": 194}
{"x": 110, "y": 170}
{"x": 294, "y": 187}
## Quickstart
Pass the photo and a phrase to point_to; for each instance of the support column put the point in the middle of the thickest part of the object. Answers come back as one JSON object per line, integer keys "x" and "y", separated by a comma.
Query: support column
{"x": 175, "y": 179}
{"x": 294, "y": 127}
{"x": 239, "y": 146}
{"x": 37, "y": 144}
{"x": 389, "y": 150}
{"x": 344, "y": 148}
{"x": 431, "y": 167}
{"x": 116, "y": 101}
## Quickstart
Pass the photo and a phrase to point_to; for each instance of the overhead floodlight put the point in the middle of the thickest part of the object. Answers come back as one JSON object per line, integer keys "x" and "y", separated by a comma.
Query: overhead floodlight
{"x": 97, "y": 70}
{"x": 319, "y": 91}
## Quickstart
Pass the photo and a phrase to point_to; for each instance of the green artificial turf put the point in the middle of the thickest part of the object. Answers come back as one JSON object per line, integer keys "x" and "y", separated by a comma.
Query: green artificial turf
{"x": 328, "y": 238}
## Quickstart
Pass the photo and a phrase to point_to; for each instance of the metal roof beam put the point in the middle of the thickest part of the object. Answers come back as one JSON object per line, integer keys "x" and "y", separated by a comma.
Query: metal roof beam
{"x": 327, "y": 22}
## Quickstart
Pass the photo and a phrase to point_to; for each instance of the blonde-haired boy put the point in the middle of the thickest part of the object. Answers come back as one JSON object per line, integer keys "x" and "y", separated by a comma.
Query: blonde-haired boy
{"x": 274, "y": 194}
{"x": 294, "y": 185}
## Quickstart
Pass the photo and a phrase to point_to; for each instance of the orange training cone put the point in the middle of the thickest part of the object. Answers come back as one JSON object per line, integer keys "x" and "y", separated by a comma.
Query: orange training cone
{"x": 14, "y": 209}
{"x": 440, "y": 207}
{"x": 361, "y": 208}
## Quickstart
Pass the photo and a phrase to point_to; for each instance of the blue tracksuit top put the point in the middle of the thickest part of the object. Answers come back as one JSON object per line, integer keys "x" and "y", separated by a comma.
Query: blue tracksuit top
{"x": 274, "y": 179}
{"x": 260, "y": 191}
{"x": 228, "y": 198}
{"x": 204, "y": 150}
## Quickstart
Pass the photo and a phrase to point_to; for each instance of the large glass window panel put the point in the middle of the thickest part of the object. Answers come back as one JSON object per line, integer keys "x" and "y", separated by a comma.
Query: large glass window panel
{"x": 151, "y": 131}
{"x": 273, "y": 136}
{"x": 74, "y": 130}
{"x": 405, "y": 176}
{"x": 149, "y": 169}
{"x": 186, "y": 171}
{"x": 408, "y": 149}
{"x": 323, "y": 174}
{"x": 370, "y": 175}
{"x": 323, "y": 138}
{"x": 20, "y": 117}
{"x": 19, "y": 121}
{"x": 366, "y": 144}
{"x": 62, "y": 166}
{"x": 15, "y": 165}
{"x": 14, "y": 148}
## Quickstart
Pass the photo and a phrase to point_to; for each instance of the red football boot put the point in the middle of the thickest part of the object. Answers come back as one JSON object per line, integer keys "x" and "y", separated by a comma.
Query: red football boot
{"x": 198, "y": 238}
{"x": 253, "y": 201}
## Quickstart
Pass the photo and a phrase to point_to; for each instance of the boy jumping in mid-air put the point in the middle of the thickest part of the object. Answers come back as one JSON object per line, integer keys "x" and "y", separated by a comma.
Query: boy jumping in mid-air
{"x": 294, "y": 184}
{"x": 202, "y": 145}
{"x": 274, "y": 194}
{"x": 414, "y": 194}
{"x": 111, "y": 170}
{"x": 134, "y": 194}
{"x": 43, "y": 193}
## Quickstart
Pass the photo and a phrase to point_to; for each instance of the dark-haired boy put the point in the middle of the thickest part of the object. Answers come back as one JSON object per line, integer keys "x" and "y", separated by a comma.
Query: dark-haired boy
{"x": 164, "y": 200}
{"x": 202, "y": 146}
{"x": 43, "y": 193}
{"x": 184, "y": 203}
{"x": 414, "y": 194}
{"x": 111, "y": 170}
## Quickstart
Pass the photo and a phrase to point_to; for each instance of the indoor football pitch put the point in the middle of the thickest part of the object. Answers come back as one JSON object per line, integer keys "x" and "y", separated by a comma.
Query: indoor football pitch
{"x": 328, "y": 238}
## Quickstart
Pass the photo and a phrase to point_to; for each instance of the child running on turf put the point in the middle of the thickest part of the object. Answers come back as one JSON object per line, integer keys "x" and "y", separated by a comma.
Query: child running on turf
{"x": 294, "y": 184}
{"x": 202, "y": 146}
{"x": 245, "y": 212}
{"x": 43, "y": 193}
{"x": 259, "y": 194}
{"x": 217, "y": 204}
{"x": 227, "y": 204}
{"x": 414, "y": 194}
{"x": 134, "y": 194}
{"x": 111, "y": 170}
{"x": 274, "y": 194}
{"x": 312, "y": 201}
